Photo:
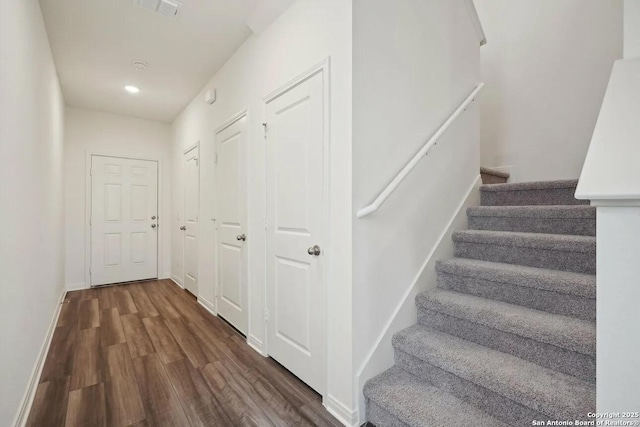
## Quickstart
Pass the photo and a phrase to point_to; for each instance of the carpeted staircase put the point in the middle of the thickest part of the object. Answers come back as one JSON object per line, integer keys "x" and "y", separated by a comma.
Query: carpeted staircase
{"x": 509, "y": 335}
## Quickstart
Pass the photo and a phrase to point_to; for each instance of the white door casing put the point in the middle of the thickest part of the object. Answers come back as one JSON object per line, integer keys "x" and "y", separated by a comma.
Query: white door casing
{"x": 296, "y": 148}
{"x": 191, "y": 165}
{"x": 123, "y": 220}
{"x": 231, "y": 218}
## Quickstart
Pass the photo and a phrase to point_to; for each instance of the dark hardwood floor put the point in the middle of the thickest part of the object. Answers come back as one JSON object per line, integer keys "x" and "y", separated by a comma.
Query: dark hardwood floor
{"x": 147, "y": 354}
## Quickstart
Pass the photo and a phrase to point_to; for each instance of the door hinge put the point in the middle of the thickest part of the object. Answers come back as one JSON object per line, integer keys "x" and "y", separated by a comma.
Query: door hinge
{"x": 90, "y": 171}
{"x": 266, "y": 314}
{"x": 89, "y": 270}
{"x": 265, "y": 126}
{"x": 216, "y": 159}
{"x": 90, "y": 221}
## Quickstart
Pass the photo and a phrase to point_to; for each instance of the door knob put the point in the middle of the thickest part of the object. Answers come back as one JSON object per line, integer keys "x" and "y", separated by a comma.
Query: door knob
{"x": 153, "y": 217}
{"x": 153, "y": 226}
{"x": 241, "y": 237}
{"x": 314, "y": 250}
{"x": 183, "y": 228}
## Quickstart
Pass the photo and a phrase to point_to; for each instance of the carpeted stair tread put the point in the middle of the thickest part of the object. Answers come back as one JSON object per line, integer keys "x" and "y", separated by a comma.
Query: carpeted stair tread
{"x": 553, "y": 251}
{"x": 531, "y": 193}
{"x": 410, "y": 401}
{"x": 557, "y": 395}
{"x": 535, "y": 211}
{"x": 565, "y": 282}
{"x": 489, "y": 171}
{"x": 492, "y": 176}
{"x": 561, "y": 331}
{"x": 556, "y": 242}
{"x": 573, "y": 220}
{"x": 535, "y": 185}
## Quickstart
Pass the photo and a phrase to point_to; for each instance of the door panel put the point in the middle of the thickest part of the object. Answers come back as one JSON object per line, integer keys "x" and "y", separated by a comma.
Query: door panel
{"x": 231, "y": 223}
{"x": 191, "y": 211}
{"x": 124, "y": 211}
{"x": 295, "y": 282}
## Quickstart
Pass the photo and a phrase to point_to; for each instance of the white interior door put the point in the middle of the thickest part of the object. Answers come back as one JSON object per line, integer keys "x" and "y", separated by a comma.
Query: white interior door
{"x": 295, "y": 212}
{"x": 231, "y": 224}
{"x": 191, "y": 212}
{"x": 124, "y": 220}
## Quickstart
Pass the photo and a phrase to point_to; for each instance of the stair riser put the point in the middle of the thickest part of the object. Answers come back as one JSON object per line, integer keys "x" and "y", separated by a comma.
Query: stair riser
{"x": 573, "y": 226}
{"x": 579, "y": 262}
{"x": 543, "y": 354}
{"x": 552, "y": 196}
{"x": 381, "y": 418}
{"x": 490, "y": 402}
{"x": 539, "y": 299}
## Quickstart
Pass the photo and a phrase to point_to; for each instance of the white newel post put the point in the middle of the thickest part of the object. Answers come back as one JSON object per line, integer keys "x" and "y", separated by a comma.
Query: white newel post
{"x": 611, "y": 180}
{"x": 618, "y": 308}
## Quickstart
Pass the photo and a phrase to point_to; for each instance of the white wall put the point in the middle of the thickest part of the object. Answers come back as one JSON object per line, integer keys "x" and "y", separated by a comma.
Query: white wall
{"x": 307, "y": 33}
{"x": 415, "y": 61}
{"x": 32, "y": 212}
{"x": 546, "y": 66}
{"x": 631, "y": 28}
{"x": 105, "y": 133}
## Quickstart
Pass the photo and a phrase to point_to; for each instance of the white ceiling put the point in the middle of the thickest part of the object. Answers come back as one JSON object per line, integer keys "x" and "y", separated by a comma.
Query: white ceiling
{"x": 94, "y": 43}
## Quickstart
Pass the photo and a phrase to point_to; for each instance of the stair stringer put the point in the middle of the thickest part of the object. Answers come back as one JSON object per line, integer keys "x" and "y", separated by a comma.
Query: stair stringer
{"x": 381, "y": 356}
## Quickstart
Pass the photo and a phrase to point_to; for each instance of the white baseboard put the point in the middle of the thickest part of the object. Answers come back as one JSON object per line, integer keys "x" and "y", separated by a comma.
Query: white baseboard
{"x": 341, "y": 412}
{"x": 177, "y": 280}
{"x": 380, "y": 357}
{"x": 27, "y": 400}
{"x": 256, "y": 344}
{"x": 76, "y": 286}
{"x": 210, "y": 307}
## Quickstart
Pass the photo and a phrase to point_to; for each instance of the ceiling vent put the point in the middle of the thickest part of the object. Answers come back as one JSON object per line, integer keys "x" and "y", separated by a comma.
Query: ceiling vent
{"x": 168, "y": 8}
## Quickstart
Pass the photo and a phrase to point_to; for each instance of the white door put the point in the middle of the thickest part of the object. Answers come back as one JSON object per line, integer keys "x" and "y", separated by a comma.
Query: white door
{"x": 231, "y": 224}
{"x": 295, "y": 212}
{"x": 190, "y": 226}
{"x": 124, "y": 220}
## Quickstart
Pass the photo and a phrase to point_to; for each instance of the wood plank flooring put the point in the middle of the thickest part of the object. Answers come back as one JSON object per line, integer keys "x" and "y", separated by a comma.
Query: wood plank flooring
{"x": 147, "y": 354}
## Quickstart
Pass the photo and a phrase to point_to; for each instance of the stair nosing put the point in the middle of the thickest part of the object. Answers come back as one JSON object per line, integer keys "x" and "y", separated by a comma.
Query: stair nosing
{"x": 506, "y": 325}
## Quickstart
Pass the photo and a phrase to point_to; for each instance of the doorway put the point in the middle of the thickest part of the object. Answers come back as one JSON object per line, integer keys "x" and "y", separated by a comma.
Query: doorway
{"x": 189, "y": 227}
{"x": 297, "y": 142}
{"x": 123, "y": 220}
{"x": 231, "y": 219}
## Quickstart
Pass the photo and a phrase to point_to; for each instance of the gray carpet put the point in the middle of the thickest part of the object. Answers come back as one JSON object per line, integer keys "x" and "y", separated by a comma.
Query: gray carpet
{"x": 492, "y": 176}
{"x": 509, "y": 335}
{"x": 531, "y": 194}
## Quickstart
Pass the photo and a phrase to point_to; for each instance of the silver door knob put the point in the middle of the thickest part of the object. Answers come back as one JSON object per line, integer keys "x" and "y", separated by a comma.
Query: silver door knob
{"x": 241, "y": 237}
{"x": 183, "y": 228}
{"x": 314, "y": 250}
{"x": 153, "y": 226}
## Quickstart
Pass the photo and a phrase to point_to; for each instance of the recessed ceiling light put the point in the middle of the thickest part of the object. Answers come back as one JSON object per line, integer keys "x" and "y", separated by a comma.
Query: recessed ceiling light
{"x": 131, "y": 89}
